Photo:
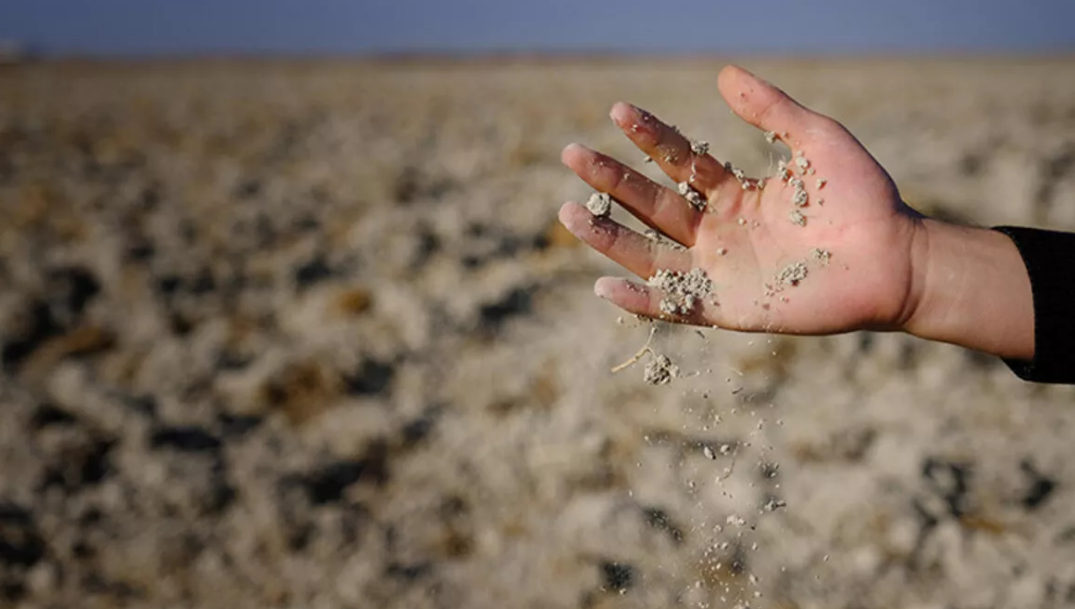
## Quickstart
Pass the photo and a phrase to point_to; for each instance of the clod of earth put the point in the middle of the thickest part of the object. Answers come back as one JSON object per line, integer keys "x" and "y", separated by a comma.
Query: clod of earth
{"x": 782, "y": 172}
{"x": 799, "y": 198}
{"x": 739, "y": 175}
{"x": 821, "y": 255}
{"x": 681, "y": 291}
{"x": 660, "y": 371}
{"x": 792, "y": 274}
{"x": 775, "y": 504}
{"x": 600, "y": 204}
{"x": 692, "y": 196}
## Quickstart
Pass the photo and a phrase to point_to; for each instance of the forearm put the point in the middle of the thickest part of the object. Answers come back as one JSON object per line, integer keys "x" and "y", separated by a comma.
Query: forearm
{"x": 973, "y": 290}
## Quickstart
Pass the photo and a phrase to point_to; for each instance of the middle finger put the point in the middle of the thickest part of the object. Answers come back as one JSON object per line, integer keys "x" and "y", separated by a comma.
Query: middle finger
{"x": 657, "y": 206}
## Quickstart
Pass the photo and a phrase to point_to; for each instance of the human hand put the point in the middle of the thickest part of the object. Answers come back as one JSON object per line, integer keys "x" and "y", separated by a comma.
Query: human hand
{"x": 858, "y": 244}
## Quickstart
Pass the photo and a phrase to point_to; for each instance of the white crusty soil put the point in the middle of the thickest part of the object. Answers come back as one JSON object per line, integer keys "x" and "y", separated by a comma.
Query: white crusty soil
{"x": 306, "y": 334}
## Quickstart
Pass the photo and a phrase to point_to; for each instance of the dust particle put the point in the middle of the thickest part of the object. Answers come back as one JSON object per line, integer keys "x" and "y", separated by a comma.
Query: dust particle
{"x": 797, "y": 217}
{"x": 782, "y": 171}
{"x": 739, "y": 175}
{"x": 775, "y": 504}
{"x": 600, "y": 204}
{"x": 699, "y": 147}
{"x": 821, "y": 255}
{"x": 821, "y": 183}
{"x": 770, "y": 136}
{"x": 657, "y": 237}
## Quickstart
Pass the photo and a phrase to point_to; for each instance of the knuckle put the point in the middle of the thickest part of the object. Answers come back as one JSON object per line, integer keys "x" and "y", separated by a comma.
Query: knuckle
{"x": 772, "y": 103}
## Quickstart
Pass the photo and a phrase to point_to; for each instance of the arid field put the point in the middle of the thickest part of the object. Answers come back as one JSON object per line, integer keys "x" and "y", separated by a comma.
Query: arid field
{"x": 307, "y": 335}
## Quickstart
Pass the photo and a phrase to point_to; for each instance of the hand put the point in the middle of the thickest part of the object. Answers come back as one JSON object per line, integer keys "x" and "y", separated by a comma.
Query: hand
{"x": 856, "y": 239}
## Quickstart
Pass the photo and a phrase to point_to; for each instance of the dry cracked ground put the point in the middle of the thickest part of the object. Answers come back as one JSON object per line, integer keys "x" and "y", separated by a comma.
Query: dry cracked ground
{"x": 306, "y": 334}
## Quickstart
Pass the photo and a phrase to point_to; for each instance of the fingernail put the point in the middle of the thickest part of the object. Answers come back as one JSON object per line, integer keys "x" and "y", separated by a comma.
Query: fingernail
{"x": 603, "y": 287}
{"x": 570, "y": 148}
{"x": 567, "y": 216}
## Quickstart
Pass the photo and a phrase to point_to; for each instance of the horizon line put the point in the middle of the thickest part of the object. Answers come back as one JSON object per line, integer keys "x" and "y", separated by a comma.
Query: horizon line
{"x": 29, "y": 53}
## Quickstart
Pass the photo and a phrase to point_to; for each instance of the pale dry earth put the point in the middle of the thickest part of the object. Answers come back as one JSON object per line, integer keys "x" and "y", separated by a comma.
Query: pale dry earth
{"x": 306, "y": 334}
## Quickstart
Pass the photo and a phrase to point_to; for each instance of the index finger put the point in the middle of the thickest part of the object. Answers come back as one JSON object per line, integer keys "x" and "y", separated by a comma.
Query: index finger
{"x": 679, "y": 158}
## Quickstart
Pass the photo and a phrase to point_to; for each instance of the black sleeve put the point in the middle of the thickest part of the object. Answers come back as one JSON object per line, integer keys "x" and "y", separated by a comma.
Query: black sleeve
{"x": 1049, "y": 257}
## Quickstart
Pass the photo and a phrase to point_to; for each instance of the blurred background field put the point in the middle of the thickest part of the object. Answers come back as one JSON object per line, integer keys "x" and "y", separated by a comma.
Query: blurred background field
{"x": 305, "y": 333}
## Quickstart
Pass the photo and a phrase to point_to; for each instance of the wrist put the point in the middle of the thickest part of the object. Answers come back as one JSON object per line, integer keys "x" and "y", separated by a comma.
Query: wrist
{"x": 970, "y": 288}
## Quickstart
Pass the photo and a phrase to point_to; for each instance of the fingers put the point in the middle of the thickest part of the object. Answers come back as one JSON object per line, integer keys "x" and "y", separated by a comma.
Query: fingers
{"x": 669, "y": 148}
{"x": 635, "y": 252}
{"x": 766, "y": 107}
{"x": 657, "y": 206}
{"x": 641, "y": 299}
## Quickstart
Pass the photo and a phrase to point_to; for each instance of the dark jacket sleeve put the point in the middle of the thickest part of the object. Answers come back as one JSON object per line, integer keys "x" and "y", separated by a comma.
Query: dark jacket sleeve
{"x": 1049, "y": 257}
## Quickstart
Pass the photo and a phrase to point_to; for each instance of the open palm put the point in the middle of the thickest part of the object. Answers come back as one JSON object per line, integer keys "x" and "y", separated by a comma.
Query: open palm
{"x": 845, "y": 263}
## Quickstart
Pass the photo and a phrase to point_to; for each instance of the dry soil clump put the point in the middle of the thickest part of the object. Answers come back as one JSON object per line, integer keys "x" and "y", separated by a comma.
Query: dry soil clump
{"x": 792, "y": 274}
{"x": 600, "y": 204}
{"x": 681, "y": 291}
{"x": 660, "y": 370}
{"x": 692, "y": 196}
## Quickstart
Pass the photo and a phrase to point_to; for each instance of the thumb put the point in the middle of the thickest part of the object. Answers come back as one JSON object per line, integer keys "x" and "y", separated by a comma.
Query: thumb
{"x": 765, "y": 106}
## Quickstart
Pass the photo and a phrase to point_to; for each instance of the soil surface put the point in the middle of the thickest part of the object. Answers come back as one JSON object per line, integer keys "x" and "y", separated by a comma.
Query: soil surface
{"x": 307, "y": 334}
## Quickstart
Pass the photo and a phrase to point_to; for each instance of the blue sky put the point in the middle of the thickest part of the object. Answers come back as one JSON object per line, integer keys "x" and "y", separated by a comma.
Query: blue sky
{"x": 136, "y": 27}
